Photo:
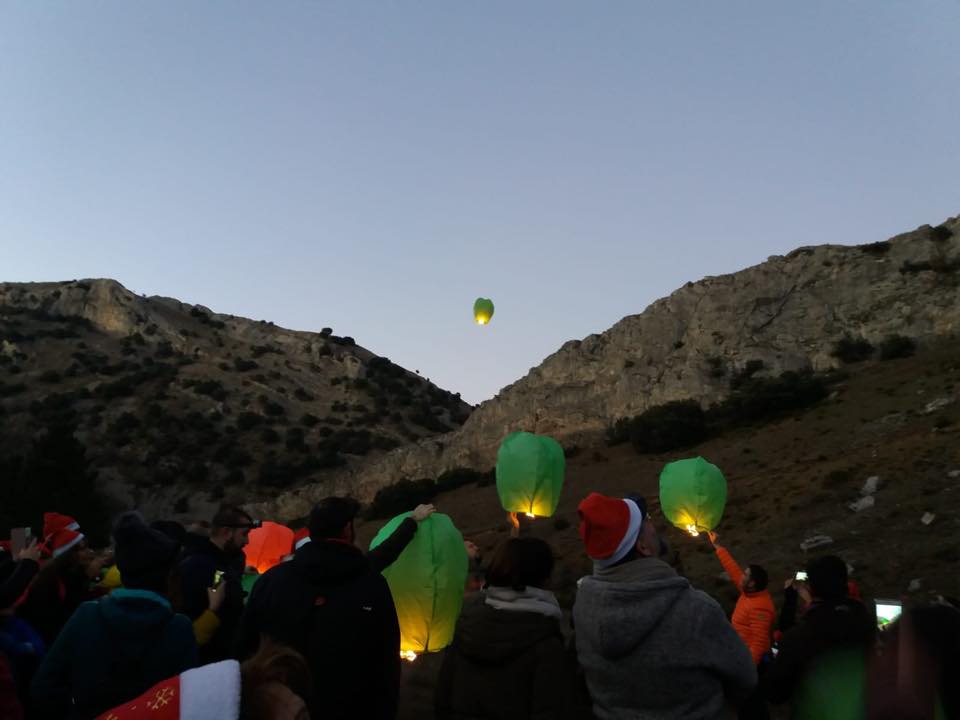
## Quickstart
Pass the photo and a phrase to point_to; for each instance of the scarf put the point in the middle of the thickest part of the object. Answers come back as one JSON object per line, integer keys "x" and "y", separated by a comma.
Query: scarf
{"x": 535, "y": 600}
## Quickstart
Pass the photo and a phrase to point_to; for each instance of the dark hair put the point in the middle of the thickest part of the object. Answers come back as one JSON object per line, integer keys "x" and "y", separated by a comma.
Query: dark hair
{"x": 759, "y": 577}
{"x": 520, "y": 562}
{"x": 272, "y": 664}
{"x": 231, "y": 516}
{"x": 827, "y": 576}
{"x": 331, "y": 515}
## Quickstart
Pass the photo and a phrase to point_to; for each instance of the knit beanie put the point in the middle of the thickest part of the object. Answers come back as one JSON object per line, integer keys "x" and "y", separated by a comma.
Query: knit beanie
{"x": 144, "y": 555}
{"x": 609, "y": 527}
{"x": 210, "y": 692}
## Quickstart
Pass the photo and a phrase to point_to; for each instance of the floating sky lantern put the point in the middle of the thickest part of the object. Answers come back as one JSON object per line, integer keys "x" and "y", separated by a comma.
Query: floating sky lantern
{"x": 530, "y": 470}
{"x": 483, "y": 311}
{"x": 693, "y": 493}
{"x": 427, "y": 582}
{"x": 267, "y": 546}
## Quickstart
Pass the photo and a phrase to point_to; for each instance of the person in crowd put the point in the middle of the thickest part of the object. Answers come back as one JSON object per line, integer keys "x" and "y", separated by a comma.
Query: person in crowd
{"x": 10, "y": 706}
{"x": 833, "y": 625}
{"x": 649, "y": 644}
{"x": 507, "y": 657}
{"x": 271, "y": 685}
{"x": 916, "y": 673}
{"x": 113, "y": 649}
{"x": 331, "y": 604}
{"x": 753, "y": 618}
{"x": 61, "y": 585}
{"x": 215, "y": 561}
{"x": 21, "y": 645}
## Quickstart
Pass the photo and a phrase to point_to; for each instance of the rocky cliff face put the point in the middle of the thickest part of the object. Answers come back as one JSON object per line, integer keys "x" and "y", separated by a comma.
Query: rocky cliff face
{"x": 787, "y": 313}
{"x": 180, "y": 408}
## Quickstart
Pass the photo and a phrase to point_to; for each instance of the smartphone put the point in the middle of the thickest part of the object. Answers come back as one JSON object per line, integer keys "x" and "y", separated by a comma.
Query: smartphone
{"x": 217, "y": 578}
{"x": 19, "y": 539}
{"x": 887, "y": 612}
{"x": 801, "y": 576}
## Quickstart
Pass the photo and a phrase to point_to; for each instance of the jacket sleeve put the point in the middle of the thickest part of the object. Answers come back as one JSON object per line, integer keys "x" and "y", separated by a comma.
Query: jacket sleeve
{"x": 205, "y": 626}
{"x": 724, "y": 652}
{"x": 730, "y": 566}
{"x": 387, "y": 552}
{"x": 51, "y": 686}
{"x": 16, "y": 585}
{"x": 760, "y": 629}
{"x": 191, "y": 654}
{"x": 788, "y": 613}
{"x": 251, "y": 625}
{"x": 195, "y": 575}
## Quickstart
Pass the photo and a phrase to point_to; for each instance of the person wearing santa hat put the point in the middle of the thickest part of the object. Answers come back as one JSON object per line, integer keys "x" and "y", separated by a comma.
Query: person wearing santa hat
{"x": 650, "y": 645}
{"x": 113, "y": 649}
{"x": 62, "y": 584}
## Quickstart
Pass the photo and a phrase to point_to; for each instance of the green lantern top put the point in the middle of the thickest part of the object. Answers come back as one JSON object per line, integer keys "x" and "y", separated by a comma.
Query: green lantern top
{"x": 427, "y": 582}
{"x": 482, "y": 311}
{"x": 693, "y": 494}
{"x": 530, "y": 470}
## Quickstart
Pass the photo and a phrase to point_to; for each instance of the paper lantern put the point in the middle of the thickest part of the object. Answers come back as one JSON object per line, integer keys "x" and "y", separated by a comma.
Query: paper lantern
{"x": 267, "y": 546}
{"x": 693, "y": 493}
{"x": 427, "y": 582}
{"x": 530, "y": 471}
{"x": 482, "y": 311}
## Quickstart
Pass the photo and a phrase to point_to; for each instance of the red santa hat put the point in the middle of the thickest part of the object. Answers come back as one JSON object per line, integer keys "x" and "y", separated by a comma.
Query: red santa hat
{"x": 61, "y": 541}
{"x": 609, "y": 527}
{"x": 300, "y": 538}
{"x": 52, "y": 522}
{"x": 210, "y": 692}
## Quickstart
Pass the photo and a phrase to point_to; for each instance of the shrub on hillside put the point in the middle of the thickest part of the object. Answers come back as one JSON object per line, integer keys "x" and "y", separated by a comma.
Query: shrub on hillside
{"x": 458, "y": 477}
{"x": 401, "y": 497}
{"x": 851, "y": 349}
{"x": 765, "y": 398}
{"x": 877, "y": 248}
{"x": 662, "y": 428}
{"x": 896, "y": 346}
{"x": 745, "y": 373}
{"x": 243, "y": 365}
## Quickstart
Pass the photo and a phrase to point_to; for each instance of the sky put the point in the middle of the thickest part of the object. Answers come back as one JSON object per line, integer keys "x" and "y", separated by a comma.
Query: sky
{"x": 374, "y": 167}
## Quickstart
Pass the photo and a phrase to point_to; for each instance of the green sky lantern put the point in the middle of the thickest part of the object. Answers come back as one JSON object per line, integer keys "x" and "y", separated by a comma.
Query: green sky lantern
{"x": 693, "y": 493}
{"x": 482, "y": 311}
{"x": 530, "y": 471}
{"x": 427, "y": 582}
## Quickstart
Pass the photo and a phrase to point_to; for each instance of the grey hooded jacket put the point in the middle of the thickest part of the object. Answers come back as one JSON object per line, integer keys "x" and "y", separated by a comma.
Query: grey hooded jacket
{"x": 652, "y": 647}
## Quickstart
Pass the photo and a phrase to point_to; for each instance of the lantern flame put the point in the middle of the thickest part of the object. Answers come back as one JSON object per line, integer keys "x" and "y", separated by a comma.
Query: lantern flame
{"x": 408, "y": 655}
{"x": 692, "y": 529}
{"x": 530, "y": 515}
{"x": 481, "y": 321}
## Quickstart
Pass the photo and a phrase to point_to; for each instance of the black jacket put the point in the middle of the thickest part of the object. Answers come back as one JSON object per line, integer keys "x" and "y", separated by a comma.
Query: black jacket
{"x": 16, "y": 578}
{"x": 826, "y": 627}
{"x": 199, "y": 563}
{"x": 504, "y": 665}
{"x": 332, "y": 606}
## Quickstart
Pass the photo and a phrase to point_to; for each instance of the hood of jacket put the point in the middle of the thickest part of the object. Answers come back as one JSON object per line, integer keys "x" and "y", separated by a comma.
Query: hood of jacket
{"x": 135, "y": 618}
{"x": 330, "y": 561}
{"x": 625, "y": 603}
{"x": 487, "y": 635}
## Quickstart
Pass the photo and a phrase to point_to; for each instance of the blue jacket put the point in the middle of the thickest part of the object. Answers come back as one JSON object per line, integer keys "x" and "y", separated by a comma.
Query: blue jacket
{"x": 111, "y": 651}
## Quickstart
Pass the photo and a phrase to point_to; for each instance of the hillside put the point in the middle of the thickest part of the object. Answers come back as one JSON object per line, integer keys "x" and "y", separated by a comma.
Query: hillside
{"x": 786, "y": 314}
{"x": 179, "y": 407}
{"x": 791, "y": 479}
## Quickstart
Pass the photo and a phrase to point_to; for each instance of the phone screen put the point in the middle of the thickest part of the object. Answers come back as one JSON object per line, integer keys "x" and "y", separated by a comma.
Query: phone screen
{"x": 801, "y": 576}
{"x": 887, "y": 612}
{"x": 19, "y": 537}
{"x": 217, "y": 578}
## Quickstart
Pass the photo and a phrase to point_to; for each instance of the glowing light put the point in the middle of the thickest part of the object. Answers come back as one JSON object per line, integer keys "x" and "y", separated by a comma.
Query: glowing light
{"x": 692, "y": 529}
{"x": 530, "y": 515}
{"x": 408, "y": 655}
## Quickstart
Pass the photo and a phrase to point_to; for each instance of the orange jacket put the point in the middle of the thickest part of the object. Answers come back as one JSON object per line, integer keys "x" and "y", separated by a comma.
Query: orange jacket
{"x": 754, "y": 615}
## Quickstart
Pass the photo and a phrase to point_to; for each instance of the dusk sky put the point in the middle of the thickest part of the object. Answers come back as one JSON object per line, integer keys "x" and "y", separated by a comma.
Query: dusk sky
{"x": 374, "y": 167}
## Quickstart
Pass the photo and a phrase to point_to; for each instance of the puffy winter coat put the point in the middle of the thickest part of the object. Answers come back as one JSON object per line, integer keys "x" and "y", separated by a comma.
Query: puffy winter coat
{"x": 754, "y": 615}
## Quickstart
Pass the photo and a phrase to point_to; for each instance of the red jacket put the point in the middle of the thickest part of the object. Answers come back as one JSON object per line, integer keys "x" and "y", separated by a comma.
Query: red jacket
{"x": 754, "y": 614}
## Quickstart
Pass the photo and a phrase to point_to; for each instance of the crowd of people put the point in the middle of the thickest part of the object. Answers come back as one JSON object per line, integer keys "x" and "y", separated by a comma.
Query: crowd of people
{"x": 162, "y": 625}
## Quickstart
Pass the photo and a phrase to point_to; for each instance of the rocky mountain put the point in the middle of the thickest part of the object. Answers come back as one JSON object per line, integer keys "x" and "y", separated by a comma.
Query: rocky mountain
{"x": 179, "y": 407}
{"x": 787, "y": 313}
